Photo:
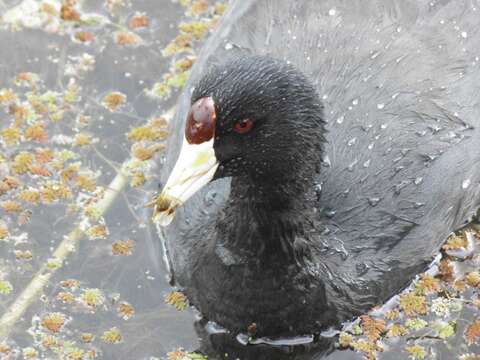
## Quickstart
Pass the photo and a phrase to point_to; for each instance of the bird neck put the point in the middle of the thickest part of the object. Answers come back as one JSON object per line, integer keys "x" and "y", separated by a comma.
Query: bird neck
{"x": 268, "y": 221}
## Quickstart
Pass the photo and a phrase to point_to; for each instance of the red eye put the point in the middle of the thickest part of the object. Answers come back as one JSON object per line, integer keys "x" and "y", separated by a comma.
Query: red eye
{"x": 243, "y": 126}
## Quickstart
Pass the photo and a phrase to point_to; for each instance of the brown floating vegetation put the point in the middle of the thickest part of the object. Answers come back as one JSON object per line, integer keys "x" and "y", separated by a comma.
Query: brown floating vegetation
{"x": 53, "y": 321}
{"x": 138, "y": 21}
{"x": 429, "y": 310}
{"x": 123, "y": 247}
{"x": 372, "y": 328}
{"x": 472, "y": 333}
{"x": 114, "y": 100}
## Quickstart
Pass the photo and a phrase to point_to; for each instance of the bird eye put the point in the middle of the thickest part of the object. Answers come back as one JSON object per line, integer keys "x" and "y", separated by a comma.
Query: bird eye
{"x": 243, "y": 126}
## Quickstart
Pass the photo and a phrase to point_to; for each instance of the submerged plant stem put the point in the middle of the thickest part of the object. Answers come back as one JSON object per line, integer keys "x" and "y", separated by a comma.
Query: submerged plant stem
{"x": 33, "y": 290}
{"x": 43, "y": 276}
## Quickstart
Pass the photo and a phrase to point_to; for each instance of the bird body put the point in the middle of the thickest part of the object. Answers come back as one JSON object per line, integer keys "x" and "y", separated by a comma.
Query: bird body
{"x": 366, "y": 178}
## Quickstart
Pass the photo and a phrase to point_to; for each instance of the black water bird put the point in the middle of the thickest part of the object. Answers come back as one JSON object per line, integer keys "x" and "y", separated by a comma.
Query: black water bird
{"x": 327, "y": 149}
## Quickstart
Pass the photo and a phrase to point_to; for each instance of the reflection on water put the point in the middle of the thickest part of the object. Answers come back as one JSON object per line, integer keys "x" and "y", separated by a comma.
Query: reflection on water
{"x": 225, "y": 346}
{"x": 83, "y": 88}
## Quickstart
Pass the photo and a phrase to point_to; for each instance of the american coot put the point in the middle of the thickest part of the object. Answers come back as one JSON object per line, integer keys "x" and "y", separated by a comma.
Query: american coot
{"x": 300, "y": 201}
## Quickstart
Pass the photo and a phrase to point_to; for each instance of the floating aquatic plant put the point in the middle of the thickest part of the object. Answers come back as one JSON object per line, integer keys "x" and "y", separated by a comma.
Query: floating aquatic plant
{"x": 396, "y": 330}
{"x": 125, "y": 310}
{"x": 155, "y": 131}
{"x": 144, "y": 153}
{"x": 123, "y": 247}
{"x": 138, "y": 21}
{"x": 415, "y": 324}
{"x": 428, "y": 284}
{"x": 112, "y": 336}
{"x": 66, "y": 297}
{"x": 93, "y": 298}
{"x": 184, "y": 355}
{"x": 70, "y": 284}
{"x": 177, "y": 299}
{"x": 114, "y": 100}
{"x": 97, "y": 232}
{"x": 416, "y": 352}
{"x": 473, "y": 278}
{"x": 372, "y": 328}
{"x": 30, "y": 353}
{"x": 413, "y": 304}
{"x": 444, "y": 329}
{"x": 138, "y": 179}
{"x": 127, "y": 38}
{"x": 472, "y": 333}
{"x": 53, "y": 321}
{"x": 3, "y": 230}
{"x": 24, "y": 255}
{"x": 5, "y": 287}
{"x": 87, "y": 337}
